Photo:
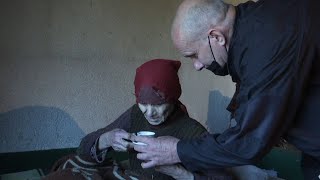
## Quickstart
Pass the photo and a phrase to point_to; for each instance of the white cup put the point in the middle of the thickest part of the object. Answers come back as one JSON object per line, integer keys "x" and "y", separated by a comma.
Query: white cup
{"x": 146, "y": 133}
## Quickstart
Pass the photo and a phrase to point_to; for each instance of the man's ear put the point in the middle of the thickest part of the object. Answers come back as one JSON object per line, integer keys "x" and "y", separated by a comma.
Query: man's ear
{"x": 218, "y": 36}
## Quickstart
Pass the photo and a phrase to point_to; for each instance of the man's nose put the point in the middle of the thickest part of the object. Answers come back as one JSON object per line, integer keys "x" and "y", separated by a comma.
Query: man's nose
{"x": 198, "y": 65}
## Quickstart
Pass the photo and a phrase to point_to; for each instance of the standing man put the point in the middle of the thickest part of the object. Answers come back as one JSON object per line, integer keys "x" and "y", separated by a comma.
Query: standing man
{"x": 271, "y": 49}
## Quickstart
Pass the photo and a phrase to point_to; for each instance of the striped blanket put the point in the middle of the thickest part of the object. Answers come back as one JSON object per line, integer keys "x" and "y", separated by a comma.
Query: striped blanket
{"x": 73, "y": 167}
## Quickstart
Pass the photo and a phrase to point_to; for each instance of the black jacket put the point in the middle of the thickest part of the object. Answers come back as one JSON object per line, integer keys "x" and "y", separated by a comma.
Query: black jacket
{"x": 274, "y": 58}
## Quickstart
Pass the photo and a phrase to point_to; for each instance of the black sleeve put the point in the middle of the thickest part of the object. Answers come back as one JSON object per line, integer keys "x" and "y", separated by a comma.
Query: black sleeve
{"x": 262, "y": 123}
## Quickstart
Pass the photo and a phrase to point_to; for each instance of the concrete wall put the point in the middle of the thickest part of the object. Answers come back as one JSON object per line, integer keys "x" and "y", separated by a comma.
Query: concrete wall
{"x": 67, "y": 67}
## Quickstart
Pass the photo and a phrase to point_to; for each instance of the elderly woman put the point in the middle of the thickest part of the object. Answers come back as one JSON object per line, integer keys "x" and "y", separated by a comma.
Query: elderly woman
{"x": 157, "y": 109}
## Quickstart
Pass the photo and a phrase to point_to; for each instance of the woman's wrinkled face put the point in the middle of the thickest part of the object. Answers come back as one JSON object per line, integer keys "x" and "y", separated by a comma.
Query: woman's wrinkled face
{"x": 156, "y": 114}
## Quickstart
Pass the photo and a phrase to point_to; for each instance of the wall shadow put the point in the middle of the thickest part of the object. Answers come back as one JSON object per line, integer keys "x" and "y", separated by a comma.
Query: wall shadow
{"x": 37, "y": 128}
{"x": 218, "y": 115}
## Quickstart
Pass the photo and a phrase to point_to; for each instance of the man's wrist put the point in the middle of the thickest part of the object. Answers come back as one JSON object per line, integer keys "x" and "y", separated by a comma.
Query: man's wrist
{"x": 188, "y": 176}
{"x": 176, "y": 157}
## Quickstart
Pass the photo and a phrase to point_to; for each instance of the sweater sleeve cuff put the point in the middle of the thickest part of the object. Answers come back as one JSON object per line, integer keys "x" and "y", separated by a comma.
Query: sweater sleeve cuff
{"x": 182, "y": 153}
{"x": 98, "y": 155}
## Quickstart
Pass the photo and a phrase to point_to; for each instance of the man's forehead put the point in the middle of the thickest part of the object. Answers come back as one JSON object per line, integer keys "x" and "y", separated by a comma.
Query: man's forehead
{"x": 185, "y": 47}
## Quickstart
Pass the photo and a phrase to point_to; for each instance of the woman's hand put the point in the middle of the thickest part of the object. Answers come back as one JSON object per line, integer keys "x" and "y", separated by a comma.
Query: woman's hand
{"x": 115, "y": 140}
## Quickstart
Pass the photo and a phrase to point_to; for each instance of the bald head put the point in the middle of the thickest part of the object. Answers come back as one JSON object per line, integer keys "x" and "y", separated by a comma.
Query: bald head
{"x": 195, "y": 17}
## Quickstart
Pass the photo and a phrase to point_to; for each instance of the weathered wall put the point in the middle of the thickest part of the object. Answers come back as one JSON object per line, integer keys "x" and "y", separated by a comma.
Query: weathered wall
{"x": 73, "y": 61}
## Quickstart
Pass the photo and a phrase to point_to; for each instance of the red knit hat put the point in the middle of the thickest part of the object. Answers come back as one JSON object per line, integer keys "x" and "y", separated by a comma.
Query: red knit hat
{"x": 157, "y": 82}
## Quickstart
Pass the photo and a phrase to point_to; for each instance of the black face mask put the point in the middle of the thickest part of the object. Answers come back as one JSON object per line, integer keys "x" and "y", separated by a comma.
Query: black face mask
{"x": 215, "y": 67}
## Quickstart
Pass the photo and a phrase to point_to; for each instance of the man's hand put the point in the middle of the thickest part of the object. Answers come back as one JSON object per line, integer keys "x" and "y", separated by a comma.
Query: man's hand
{"x": 158, "y": 151}
{"x": 176, "y": 171}
{"x": 115, "y": 140}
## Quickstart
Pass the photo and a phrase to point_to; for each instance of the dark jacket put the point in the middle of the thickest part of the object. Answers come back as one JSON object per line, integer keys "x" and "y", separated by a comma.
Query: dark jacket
{"x": 274, "y": 58}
